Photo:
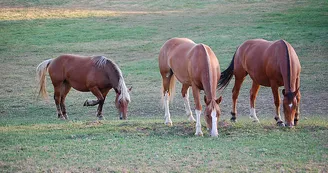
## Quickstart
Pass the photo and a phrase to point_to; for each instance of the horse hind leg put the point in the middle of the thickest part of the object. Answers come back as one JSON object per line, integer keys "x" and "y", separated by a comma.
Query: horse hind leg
{"x": 253, "y": 93}
{"x": 57, "y": 98}
{"x": 65, "y": 89}
{"x": 185, "y": 95}
{"x": 166, "y": 81}
{"x": 235, "y": 93}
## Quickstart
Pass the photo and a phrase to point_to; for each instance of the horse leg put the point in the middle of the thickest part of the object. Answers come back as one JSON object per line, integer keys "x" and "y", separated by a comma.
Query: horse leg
{"x": 276, "y": 97}
{"x": 95, "y": 91}
{"x": 101, "y": 104}
{"x": 198, "y": 106}
{"x": 298, "y": 98}
{"x": 57, "y": 98}
{"x": 166, "y": 78}
{"x": 235, "y": 93}
{"x": 65, "y": 89}
{"x": 185, "y": 95}
{"x": 253, "y": 93}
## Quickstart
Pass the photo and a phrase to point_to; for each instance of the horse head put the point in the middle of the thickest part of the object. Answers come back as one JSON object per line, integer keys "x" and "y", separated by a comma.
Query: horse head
{"x": 290, "y": 106}
{"x": 121, "y": 104}
{"x": 212, "y": 113}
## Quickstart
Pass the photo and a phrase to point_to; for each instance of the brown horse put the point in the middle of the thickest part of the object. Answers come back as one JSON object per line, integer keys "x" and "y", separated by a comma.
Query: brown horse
{"x": 193, "y": 65}
{"x": 271, "y": 64}
{"x": 96, "y": 74}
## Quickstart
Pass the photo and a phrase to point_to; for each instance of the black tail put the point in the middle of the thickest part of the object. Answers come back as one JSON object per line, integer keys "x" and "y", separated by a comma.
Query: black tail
{"x": 226, "y": 75}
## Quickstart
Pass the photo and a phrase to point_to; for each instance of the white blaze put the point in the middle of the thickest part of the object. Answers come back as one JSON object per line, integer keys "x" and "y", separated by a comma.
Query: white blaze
{"x": 290, "y": 105}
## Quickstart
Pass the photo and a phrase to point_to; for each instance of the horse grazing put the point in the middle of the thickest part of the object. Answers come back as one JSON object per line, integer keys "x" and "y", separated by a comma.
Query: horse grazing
{"x": 95, "y": 74}
{"x": 271, "y": 64}
{"x": 193, "y": 65}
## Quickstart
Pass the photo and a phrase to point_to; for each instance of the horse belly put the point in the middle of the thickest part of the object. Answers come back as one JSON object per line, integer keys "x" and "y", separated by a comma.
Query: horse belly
{"x": 262, "y": 79}
{"x": 79, "y": 86}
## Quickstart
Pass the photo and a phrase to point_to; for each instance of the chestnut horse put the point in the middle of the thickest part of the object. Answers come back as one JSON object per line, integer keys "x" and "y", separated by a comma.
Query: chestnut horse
{"x": 96, "y": 74}
{"x": 193, "y": 65}
{"x": 271, "y": 64}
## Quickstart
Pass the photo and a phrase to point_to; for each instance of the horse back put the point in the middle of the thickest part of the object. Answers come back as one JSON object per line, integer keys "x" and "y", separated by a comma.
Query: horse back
{"x": 266, "y": 60}
{"x": 80, "y": 72}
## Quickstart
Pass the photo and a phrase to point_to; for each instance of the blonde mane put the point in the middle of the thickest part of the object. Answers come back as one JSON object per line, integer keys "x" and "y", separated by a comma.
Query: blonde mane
{"x": 101, "y": 62}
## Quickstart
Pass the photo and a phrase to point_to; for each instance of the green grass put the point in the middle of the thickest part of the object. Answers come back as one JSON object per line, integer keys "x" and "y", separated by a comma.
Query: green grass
{"x": 131, "y": 33}
{"x": 148, "y": 145}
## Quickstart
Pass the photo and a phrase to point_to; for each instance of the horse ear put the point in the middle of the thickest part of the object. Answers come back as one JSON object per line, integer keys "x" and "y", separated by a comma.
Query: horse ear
{"x": 130, "y": 89}
{"x": 283, "y": 92}
{"x": 218, "y": 101}
{"x": 294, "y": 93}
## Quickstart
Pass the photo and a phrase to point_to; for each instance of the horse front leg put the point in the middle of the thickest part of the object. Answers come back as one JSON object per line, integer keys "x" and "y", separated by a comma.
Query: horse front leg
{"x": 91, "y": 102}
{"x": 95, "y": 91}
{"x": 298, "y": 99}
{"x": 198, "y": 106}
{"x": 276, "y": 97}
{"x": 185, "y": 95}
{"x": 99, "y": 109}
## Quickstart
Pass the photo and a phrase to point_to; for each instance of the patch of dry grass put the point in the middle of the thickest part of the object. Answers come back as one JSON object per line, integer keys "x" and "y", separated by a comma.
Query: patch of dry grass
{"x": 49, "y": 13}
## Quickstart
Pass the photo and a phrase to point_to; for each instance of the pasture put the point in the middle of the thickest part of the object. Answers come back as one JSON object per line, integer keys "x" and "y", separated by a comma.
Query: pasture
{"x": 131, "y": 33}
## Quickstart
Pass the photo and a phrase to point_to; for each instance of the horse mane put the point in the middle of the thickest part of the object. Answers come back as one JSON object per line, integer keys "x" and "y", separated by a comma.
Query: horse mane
{"x": 288, "y": 63}
{"x": 102, "y": 62}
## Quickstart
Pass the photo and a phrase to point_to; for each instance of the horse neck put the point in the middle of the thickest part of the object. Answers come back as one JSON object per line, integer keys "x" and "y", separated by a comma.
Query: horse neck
{"x": 288, "y": 69}
{"x": 209, "y": 78}
{"x": 119, "y": 84}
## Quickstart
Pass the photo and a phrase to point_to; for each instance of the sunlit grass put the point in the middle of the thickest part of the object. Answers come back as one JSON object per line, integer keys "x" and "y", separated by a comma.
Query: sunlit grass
{"x": 39, "y": 13}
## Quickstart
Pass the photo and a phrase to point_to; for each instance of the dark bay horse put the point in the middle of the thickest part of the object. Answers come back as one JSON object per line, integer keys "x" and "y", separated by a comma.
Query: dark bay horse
{"x": 193, "y": 65}
{"x": 95, "y": 74}
{"x": 271, "y": 64}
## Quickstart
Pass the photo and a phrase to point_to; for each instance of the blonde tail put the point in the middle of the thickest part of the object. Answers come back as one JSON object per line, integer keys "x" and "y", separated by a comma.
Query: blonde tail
{"x": 171, "y": 90}
{"x": 41, "y": 72}
{"x": 172, "y": 87}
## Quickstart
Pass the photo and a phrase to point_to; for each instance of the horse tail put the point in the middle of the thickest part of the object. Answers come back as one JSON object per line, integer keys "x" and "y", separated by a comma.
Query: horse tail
{"x": 226, "y": 75}
{"x": 172, "y": 87}
{"x": 41, "y": 72}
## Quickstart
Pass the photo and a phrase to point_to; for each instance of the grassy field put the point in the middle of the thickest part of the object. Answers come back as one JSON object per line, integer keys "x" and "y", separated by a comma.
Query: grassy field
{"x": 131, "y": 33}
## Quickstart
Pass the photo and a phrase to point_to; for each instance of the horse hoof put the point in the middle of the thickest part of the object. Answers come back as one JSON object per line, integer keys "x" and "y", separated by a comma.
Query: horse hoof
{"x": 168, "y": 123}
{"x": 281, "y": 124}
{"x": 256, "y": 121}
{"x": 121, "y": 118}
{"x": 191, "y": 119}
{"x": 101, "y": 118}
{"x": 199, "y": 134}
{"x": 215, "y": 135}
{"x": 86, "y": 103}
{"x": 233, "y": 120}
{"x": 62, "y": 118}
